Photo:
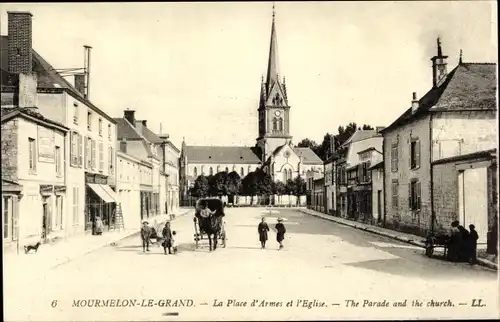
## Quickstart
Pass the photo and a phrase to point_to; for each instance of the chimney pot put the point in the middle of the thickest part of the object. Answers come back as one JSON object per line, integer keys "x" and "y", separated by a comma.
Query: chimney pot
{"x": 19, "y": 53}
{"x": 414, "y": 103}
{"x": 129, "y": 116}
{"x": 144, "y": 123}
{"x": 28, "y": 90}
{"x": 414, "y": 95}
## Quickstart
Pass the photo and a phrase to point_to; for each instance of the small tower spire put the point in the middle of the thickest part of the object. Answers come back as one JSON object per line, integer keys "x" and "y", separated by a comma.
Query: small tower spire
{"x": 274, "y": 11}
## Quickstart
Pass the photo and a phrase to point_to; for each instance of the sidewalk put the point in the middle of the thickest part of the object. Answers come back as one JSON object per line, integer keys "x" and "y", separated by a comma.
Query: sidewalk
{"x": 64, "y": 251}
{"x": 403, "y": 237}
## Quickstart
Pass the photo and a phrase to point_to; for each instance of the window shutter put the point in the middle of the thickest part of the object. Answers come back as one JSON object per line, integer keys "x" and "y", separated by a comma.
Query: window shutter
{"x": 86, "y": 156}
{"x": 419, "y": 199}
{"x": 409, "y": 196}
{"x": 93, "y": 154}
{"x": 80, "y": 138}
{"x": 417, "y": 153}
{"x": 71, "y": 148}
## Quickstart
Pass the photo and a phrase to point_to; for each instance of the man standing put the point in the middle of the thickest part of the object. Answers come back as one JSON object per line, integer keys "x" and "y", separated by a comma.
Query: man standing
{"x": 263, "y": 228}
{"x": 145, "y": 235}
{"x": 167, "y": 238}
{"x": 281, "y": 230}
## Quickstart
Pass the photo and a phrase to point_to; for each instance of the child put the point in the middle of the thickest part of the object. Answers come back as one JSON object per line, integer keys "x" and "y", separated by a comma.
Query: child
{"x": 281, "y": 230}
{"x": 473, "y": 237}
{"x": 174, "y": 243}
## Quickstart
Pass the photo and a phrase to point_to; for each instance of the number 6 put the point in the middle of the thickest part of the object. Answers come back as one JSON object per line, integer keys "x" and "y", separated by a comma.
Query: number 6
{"x": 54, "y": 303}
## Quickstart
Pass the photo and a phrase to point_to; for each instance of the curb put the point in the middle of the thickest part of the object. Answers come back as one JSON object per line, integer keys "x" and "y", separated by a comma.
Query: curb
{"x": 481, "y": 261}
{"x": 106, "y": 244}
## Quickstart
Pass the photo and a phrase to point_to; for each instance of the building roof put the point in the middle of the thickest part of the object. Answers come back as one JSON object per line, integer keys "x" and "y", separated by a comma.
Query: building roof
{"x": 470, "y": 86}
{"x": 360, "y": 135}
{"x": 377, "y": 165}
{"x": 222, "y": 154}
{"x": 125, "y": 130}
{"x": 47, "y": 76}
{"x": 489, "y": 154}
{"x": 309, "y": 156}
{"x": 150, "y": 135}
{"x": 8, "y": 113}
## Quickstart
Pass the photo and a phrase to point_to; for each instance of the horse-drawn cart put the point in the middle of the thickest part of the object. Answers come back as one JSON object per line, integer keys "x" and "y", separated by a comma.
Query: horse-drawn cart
{"x": 211, "y": 223}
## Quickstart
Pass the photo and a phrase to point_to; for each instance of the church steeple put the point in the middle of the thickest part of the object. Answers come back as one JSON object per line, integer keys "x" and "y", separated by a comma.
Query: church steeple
{"x": 272, "y": 65}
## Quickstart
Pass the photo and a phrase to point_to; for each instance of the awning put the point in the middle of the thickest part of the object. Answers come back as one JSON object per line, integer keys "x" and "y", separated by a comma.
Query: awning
{"x": 110, "y": 192}
{"x": 101, "y": 192}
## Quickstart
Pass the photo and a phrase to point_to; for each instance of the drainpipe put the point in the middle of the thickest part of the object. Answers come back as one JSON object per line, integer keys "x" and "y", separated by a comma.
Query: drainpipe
{"x": 383, "y": 182}
{"x": 433, "y": 214}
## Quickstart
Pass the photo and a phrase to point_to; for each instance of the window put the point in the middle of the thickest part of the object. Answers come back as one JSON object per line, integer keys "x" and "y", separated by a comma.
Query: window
{"x": 394, "y": 157}
{"x": 211, "y": 171}
{"x": 87, "y": 154}
{"x": 394, "y": 188}
{"x": 58, "y": 161}
{"x": 242, "y": 172}
{"x": 75, "y": 113}
{"x": 89, "y": 121}
{"x": 414, "y": 154}
{"x": 79, "y": 146}
{"x": 93, "y": 154}
{"x": 32, "y": 154}
{"x": 109, "y": 131}
{"x": 76, "y": 149}
{"x": 280, "y": 124}
{"x": 121, "y": 169}
{"x": 275, "y": 124}
{"x": 101, "y": 156}
{"x": 414, "y": 195}
{"x": 195, "y": 172}
{"x": 218, "y": 168}
{"x": 9, "y": 223}
{"x": 75, "y": 205}
{"x": 100, "y": 127}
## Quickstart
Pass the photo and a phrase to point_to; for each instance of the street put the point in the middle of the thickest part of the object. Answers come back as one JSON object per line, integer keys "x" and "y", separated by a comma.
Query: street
{"x": 322, "y": 267}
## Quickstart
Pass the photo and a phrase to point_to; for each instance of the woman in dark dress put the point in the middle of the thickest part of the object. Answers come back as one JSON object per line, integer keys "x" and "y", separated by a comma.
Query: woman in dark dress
{"x": 281, "y": 230}
{"x": 473, "y": 237}
{"x": 263, "y": 228}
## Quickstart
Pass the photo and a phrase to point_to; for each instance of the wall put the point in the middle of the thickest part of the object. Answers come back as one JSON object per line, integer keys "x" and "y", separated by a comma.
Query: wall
{"x": 53, "y": 106}
{"x": 9, "y": 143}
{"x": 449, "y": 128}
{"x": 377, "y": 185}
{"x": 401, "y": 217}
{"x": 355, "y": 147}
{"x": 127, "y": 186}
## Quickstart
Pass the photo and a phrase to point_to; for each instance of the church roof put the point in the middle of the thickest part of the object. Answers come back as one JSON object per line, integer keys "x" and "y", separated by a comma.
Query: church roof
{"x": 222, "y": 154}
{"x": 309, "y": 156}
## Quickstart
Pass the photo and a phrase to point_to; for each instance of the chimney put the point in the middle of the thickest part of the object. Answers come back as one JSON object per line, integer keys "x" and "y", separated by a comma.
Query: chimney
{"x": 414, "y": 103}
{"x": 80, "y": 83}
{"x": 439, "y": 63}
{"x": 27, "y": 90}
{"x": 144, "y": 123}
{"x": 379, "y": 128}
{"x": 20, "y": 57}
{"x": 129, "y": 115}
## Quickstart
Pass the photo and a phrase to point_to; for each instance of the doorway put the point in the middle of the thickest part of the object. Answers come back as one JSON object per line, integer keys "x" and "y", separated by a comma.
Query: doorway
{"x": 379, "y": 205}
{"x": 46, "y": 218}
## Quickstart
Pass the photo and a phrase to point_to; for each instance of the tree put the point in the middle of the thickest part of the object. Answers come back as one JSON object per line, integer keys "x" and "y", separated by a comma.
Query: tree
{"x": 279, "y": 188}
{"x": 307, "y": 143}
{"x": 299, "y": 186}
{"x": 233, "y": 183}
{"x": 218, "y": 184}
{"x": 367, "y": 127}
{"x": 200, "y": 188}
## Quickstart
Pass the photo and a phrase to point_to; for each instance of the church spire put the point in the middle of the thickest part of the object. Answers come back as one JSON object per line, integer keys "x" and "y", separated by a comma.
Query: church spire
{"x": 272, "y": 65}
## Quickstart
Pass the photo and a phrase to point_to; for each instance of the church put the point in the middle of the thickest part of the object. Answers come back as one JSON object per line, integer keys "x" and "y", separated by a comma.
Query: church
{"x": 274, "y": 151}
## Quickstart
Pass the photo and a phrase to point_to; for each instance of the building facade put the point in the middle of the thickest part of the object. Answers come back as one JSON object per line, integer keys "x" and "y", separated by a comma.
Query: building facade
{"x": 424, "y": 147}
{"x": 33, "y": 171}
{"x": 274, "y": 151}
{"x": 90, "y": 154}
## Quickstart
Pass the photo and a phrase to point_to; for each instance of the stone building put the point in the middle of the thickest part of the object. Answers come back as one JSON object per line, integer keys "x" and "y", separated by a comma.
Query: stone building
{"x": 90, "y": 153}
{"x": 274, "y": 151}
{"x": 33, "y": 171}
{"x": 377, "y": 190}
{"x": 421, "y": 193}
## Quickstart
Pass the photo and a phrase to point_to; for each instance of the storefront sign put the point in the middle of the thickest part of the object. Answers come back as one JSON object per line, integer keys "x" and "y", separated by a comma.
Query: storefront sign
{"x": 46, "y": 189}
{"x": 59, "y": 189}
{"x": 46, "y": 145}
{"x": 95, "y": 178}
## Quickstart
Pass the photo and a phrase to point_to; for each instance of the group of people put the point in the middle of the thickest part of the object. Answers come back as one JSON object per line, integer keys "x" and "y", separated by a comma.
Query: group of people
{"x": 462, "y": 245}
{"x": 263, "y": 228}
{"x": 168, "y": 240}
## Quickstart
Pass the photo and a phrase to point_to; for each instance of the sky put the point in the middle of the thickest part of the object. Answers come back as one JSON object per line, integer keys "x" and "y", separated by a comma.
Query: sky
{"x": 196, "y": 68}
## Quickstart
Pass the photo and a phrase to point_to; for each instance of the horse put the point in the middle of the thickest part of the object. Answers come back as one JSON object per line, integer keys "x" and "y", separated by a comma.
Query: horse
{"x": 211, "y": 225}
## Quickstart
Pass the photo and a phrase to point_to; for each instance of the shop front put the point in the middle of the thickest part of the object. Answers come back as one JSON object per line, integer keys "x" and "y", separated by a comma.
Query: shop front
{"x": 100, "y": 203}
{"x": 11, "y": 195}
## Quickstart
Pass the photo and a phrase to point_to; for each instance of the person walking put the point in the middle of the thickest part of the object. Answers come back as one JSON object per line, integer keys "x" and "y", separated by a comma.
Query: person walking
{"x": 281, "y": 230}
{"x": 98, "y": 225}
{"x": 473, "y": 237}
{"x": 262, "y": 229}
{"x": 145, "y": 235}
{"x": 167, "y": 238}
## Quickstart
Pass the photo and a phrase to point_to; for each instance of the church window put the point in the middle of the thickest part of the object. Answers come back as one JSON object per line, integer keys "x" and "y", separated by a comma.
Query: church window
{"x": 195, "y": 172}
{"x": 285, "y": 176}
{"x": 275, "y": 124}
{"x": 218, "y": 168}
{"x": 280, "y": 124}
{"x": 211, "y": 171}
{"x": 242, "y": 171}
{"x": 289, "y": 173}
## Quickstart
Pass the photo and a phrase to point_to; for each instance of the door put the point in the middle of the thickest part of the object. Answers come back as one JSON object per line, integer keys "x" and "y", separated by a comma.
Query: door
{"x": 379, "y": 205}
{"x": 475, "y": 202}
{"x": 45, "y": 219}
